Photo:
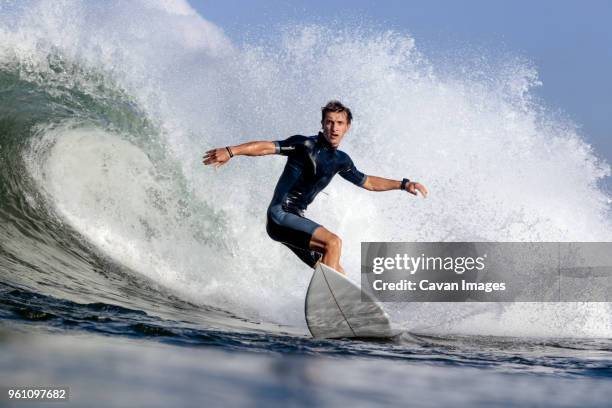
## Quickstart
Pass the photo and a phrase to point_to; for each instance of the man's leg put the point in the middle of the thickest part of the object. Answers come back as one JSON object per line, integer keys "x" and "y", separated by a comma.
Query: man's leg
{"x": 330, "y": 245}
{"x": 295, "y": 232}
{"x": 305, "y": 238}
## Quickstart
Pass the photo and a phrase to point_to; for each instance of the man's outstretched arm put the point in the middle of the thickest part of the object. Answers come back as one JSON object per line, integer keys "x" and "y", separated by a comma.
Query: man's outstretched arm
{"x": 374, "y": 183}
{"x": 220, "y": 156}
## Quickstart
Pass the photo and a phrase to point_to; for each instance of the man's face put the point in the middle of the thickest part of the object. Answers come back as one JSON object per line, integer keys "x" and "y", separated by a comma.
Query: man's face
{"x": 335, "y": 127}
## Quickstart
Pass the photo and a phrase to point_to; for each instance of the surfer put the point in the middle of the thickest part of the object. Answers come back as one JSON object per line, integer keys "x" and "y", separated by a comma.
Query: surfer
{"x": 312, "y": 163}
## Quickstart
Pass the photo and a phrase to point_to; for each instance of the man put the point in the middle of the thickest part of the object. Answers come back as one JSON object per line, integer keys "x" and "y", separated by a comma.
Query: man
{"x": 312, "y": 163}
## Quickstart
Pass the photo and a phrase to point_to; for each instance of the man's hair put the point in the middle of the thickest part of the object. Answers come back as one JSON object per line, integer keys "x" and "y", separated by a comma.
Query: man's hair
{"x": 336, "y": 106}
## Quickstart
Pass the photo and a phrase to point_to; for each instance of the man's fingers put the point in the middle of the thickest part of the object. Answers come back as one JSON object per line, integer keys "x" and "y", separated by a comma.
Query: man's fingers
{"x": 413, "y": 188}
{"x": 210, "y": 160}
{"x": 422, "y": 190}
{"x": 210, "y": 154}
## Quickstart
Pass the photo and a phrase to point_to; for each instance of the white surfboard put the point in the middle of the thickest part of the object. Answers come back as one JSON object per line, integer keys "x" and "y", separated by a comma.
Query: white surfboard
{"x": 335, "y": 308}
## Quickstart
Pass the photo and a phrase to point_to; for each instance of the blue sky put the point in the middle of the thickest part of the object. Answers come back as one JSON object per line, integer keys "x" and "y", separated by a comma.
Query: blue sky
{"x": 570, "y": 42}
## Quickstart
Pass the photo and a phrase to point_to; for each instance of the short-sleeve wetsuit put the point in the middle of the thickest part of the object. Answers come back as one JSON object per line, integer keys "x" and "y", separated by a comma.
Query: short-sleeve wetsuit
{"x": 312, "y": 163}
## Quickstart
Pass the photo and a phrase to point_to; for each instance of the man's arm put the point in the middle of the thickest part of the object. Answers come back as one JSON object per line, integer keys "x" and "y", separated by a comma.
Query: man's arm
{"x": 220, "y": 156}
{"x": 374, "y": 183}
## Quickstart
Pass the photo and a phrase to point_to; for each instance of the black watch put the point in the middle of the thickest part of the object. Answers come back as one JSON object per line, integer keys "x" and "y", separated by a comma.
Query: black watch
{"x": 404, "y": 182}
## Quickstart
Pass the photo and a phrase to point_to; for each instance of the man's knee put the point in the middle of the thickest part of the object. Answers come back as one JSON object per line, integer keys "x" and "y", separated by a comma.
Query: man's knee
{"x": 333, "y": 243}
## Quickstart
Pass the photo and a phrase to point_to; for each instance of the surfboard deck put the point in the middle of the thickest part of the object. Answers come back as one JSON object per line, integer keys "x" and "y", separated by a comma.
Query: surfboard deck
{"x": 334, "y": 308}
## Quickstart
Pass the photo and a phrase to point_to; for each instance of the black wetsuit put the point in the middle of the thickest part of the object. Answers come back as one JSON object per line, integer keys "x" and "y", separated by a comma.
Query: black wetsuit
{"x": 312, "y": 163}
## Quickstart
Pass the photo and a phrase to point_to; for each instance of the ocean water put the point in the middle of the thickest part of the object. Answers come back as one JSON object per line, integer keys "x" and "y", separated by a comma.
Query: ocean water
{"x": 126, "y": 266}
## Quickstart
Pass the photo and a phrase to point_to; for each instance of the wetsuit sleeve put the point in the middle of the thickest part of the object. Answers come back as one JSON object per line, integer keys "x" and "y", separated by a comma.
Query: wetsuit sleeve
{"x": 350, "y": 173}
{"x": 290, "y": 145}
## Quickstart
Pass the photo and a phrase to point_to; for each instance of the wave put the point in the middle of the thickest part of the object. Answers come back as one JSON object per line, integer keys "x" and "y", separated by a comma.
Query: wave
{"x": 104, "y": 117}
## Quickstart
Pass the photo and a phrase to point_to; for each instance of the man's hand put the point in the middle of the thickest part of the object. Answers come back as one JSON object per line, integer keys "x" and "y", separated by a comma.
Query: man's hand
{"x": 413, "y": 187}
{"x": 216, "y": 157}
